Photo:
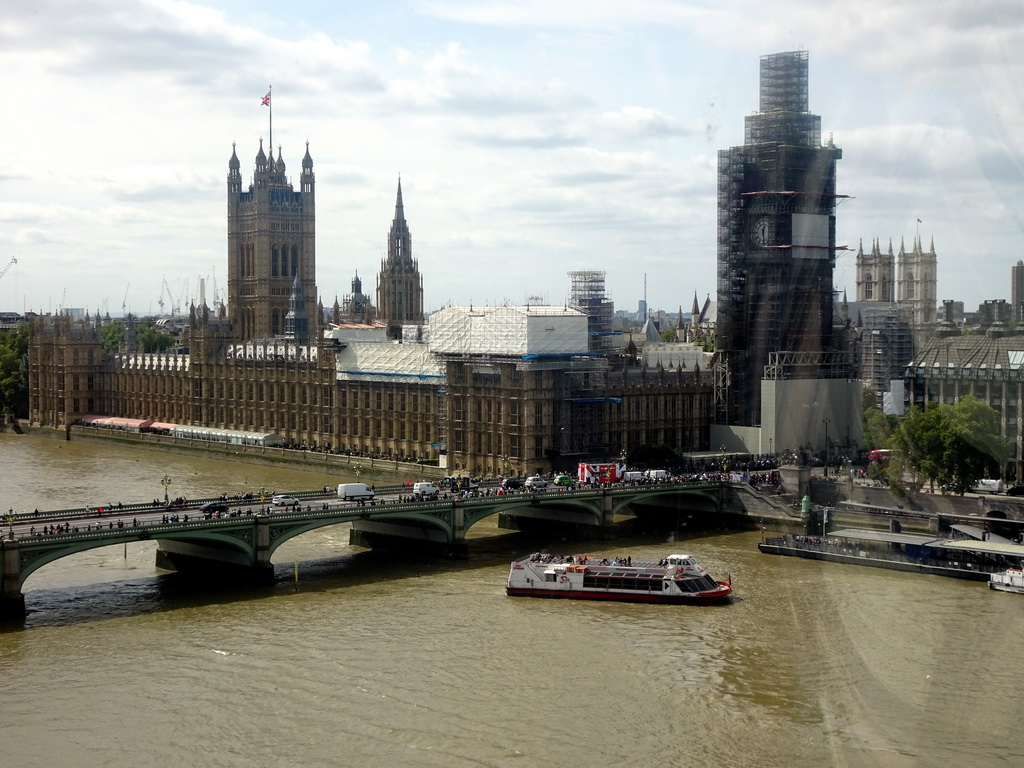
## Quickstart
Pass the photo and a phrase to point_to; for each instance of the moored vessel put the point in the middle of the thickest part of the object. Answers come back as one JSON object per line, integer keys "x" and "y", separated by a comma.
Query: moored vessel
{"x": 676, "y": 579}
{"x": 1010, "y": 580}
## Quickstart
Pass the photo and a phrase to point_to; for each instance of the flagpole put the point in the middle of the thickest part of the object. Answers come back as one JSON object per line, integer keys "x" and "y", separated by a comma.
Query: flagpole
{"x": 270, "y": 103}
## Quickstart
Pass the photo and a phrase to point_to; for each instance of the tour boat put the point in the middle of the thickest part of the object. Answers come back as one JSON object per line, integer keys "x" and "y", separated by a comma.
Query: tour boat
{"x": 1011, "y": 580}
{"x": 677, "y": 579}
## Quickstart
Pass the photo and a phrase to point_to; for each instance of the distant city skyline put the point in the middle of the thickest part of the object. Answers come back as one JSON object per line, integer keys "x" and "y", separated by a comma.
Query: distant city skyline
{"x": 531, "y": 140}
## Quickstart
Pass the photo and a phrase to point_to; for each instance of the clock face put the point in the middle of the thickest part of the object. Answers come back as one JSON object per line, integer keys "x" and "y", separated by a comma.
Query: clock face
{"x": 761, "y": 232}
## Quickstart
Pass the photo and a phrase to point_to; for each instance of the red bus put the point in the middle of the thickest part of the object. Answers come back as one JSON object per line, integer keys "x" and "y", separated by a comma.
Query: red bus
{"x": 880, "y": 456}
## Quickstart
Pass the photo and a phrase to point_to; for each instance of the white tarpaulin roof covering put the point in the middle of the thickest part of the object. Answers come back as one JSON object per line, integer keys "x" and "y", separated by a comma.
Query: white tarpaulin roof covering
{"x": 526, "y": 330}
{"x": 388, "y": 361}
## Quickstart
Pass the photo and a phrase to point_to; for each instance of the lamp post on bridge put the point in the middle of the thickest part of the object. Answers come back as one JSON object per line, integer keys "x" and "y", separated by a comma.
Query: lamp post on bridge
{"x": 166, "y": 482}
{"x": 826, "y": 421}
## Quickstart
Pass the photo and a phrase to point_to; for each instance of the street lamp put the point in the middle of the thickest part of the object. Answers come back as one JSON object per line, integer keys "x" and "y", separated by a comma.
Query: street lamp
{"x": 165, "y": 482}
{"x": 826, "y": 421}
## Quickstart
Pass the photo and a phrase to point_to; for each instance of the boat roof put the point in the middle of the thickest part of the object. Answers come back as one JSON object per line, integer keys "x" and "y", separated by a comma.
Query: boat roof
{"x": 989, "y": 547}
{"x": 998, "y": 546}
{"x": 857, "y": 534}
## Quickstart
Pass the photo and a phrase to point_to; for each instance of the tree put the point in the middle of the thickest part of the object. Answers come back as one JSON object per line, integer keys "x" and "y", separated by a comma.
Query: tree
{"x": 877, "y": 426}
{"x": 149, "y": 339}
{"x": 952, "y": 446}
{"x": 14, "y": 371}
{"x": 111, "y": 336}
{"x": 653, "y": 456}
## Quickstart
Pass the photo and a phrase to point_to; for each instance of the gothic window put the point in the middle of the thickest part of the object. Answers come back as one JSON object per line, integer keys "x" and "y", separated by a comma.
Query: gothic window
{"x": 910, "y": 285}
{"x": 273, "y": 262}
{"x": 295, "y": 260}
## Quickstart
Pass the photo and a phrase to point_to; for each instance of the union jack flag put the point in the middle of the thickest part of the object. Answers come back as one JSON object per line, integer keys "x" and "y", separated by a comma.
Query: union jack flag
{"x": 266, "y": 100}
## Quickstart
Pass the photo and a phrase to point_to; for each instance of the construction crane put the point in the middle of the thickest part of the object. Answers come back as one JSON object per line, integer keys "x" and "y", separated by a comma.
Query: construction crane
{"x": 124, "y": 302}
{"x": 175, "y": 309}
{"x": 8, "y": 265}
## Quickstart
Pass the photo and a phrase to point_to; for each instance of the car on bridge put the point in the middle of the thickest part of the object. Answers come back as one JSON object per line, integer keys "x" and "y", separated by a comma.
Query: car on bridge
{"x": 285, "y": 501}
{"x": 536, "y": 483}
{"x": 511, "y": 483}
{"x": 213, "y": 507}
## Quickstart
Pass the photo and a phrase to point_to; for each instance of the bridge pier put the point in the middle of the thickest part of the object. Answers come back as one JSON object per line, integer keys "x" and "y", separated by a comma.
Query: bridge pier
{"x": 12, "y": 601}
{"x": 407, "y": 536}
{"x": 203, "y": 559}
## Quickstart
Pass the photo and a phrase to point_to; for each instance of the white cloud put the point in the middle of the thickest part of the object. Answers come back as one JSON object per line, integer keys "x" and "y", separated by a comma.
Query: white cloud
{"x": 531, "y": 137}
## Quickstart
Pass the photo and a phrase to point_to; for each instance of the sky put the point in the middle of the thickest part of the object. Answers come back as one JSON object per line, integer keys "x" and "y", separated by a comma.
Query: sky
{"x": 531, "y": 138}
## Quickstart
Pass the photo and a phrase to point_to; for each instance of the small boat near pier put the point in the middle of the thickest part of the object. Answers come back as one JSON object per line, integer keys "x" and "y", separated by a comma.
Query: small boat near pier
{"x": 1010, "y": 580}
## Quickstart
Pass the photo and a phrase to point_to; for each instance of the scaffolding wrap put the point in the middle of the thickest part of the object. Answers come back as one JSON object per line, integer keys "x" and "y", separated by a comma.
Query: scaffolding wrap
{"x": 776, "y": 241}
{"x": 528, "y": 330}
{"x": 588, "y": 296}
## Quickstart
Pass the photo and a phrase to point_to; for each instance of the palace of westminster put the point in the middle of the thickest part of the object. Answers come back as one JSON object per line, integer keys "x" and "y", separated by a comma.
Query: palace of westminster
{"x": 533, "y": 388}
{"x": 482, "y": 390}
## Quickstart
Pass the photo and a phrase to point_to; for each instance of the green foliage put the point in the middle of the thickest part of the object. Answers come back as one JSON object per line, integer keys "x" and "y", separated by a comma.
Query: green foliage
{"x": 14, "y": 371}
{"x": 669, "y": 334}
{"x": 952, "y": 446}
{"x": 868, "y": 400}
{"x": 147, "y": 338}
{"x": 111, "y": 336}
{"x": 878, "y": 428}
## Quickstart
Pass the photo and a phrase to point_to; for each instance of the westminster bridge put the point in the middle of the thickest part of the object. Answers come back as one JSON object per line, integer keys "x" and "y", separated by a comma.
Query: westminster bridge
{"x": 241, "y": 544}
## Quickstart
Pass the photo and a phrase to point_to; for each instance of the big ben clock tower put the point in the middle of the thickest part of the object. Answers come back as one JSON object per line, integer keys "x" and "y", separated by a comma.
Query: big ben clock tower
{"x": 776, "y": 239}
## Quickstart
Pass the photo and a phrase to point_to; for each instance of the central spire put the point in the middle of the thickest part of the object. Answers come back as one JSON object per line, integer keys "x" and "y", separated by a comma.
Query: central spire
{"x": 399, "y": 208}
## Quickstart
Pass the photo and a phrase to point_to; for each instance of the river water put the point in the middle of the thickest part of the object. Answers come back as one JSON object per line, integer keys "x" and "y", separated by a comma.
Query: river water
{"x": 379, "y": 661}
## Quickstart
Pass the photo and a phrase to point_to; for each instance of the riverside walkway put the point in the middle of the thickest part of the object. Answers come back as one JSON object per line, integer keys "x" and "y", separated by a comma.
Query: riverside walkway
{"x": 242, "y": 541}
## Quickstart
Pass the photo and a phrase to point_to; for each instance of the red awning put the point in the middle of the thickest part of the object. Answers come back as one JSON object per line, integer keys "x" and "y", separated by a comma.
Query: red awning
{"x": 116, "y": 421}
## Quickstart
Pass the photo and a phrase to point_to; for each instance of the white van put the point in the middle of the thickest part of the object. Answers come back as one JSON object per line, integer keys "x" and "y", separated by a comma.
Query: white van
{"x": 657, "y": 474}
{"x": 355, "y": 492}
{"x": 426, "y": 490}
{"x": 633, "y": 476}
{"x": 989, "y": 486}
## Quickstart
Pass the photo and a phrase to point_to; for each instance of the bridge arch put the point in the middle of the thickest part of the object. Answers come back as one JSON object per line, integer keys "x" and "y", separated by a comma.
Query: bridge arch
{"x": 31, "y": 559}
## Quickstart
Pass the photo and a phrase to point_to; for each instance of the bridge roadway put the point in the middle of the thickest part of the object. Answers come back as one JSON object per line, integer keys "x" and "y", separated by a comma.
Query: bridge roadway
{"x": 240, "y": 544}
